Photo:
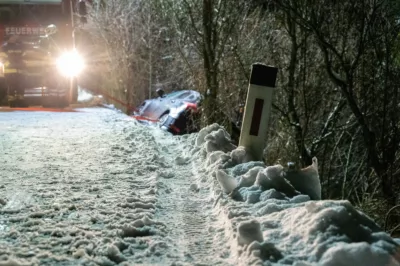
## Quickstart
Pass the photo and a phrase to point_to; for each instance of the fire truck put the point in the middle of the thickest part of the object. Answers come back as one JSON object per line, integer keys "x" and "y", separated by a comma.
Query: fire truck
{"x": 39, "y": 62}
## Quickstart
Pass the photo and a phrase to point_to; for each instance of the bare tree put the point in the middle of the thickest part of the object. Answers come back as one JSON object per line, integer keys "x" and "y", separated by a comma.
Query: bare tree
{"x": 130, "y": 41}
{"x": 206, "y": 29}
{"x": 357, "y": 40}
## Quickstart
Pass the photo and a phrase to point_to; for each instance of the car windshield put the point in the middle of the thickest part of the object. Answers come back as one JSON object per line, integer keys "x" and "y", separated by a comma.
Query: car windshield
{"x": 174, "y": 94}
{"x": 179, "y": 95}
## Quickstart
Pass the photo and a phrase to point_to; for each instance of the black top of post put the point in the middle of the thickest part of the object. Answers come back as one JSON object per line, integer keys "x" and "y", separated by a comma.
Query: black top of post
{"x": 263, "y": 75}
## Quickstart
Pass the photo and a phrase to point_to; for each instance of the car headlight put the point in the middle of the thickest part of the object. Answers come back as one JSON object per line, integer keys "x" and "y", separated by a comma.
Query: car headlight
{"x": 70, "y": 64}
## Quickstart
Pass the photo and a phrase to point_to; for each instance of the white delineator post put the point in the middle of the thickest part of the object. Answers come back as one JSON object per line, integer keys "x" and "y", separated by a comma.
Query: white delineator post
{"x": 257, "y": 110}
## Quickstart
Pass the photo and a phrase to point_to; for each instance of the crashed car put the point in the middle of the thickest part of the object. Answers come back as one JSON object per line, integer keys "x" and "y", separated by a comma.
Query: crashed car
{"x": 175, "y": 112}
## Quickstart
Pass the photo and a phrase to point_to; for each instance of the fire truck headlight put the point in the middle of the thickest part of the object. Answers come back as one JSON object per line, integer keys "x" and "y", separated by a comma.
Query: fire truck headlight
{"x": 70, "y": 64}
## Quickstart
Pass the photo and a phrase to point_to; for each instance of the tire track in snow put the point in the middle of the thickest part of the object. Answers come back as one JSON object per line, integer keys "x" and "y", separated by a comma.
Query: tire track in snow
{"x": 196, "y": 220}
{"x": 187, "y": 208}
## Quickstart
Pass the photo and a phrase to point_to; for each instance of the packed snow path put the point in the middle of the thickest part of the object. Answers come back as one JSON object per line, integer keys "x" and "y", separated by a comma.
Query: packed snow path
{"x": 94, "y": 187}
{"x": 187, "y": 209}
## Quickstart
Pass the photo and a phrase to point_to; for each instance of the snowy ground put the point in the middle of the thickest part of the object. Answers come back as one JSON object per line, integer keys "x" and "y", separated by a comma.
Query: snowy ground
{"x": 94, "y": 187}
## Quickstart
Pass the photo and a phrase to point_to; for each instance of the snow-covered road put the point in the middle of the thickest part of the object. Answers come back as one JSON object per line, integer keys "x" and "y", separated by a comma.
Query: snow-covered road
{"x": 94, "y": 187}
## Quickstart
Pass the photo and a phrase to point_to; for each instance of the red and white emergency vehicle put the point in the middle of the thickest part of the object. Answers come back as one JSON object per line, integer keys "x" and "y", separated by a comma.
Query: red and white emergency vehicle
{"x": 38, "y": 59}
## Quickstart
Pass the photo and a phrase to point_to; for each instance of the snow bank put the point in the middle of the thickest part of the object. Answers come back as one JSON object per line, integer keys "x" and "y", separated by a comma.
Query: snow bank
{"x": 272, "y": 220}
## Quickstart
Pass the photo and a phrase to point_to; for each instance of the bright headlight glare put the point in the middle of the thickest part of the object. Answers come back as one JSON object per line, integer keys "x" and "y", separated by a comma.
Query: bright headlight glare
{"x": 70, "y": 64}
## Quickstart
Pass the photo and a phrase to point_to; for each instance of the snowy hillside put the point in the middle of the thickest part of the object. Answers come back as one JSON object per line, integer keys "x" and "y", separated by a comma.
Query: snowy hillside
{"x": 94, "y": 187}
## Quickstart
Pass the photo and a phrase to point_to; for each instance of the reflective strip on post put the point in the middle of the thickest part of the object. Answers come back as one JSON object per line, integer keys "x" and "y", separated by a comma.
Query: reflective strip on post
{"x": 257, "y": 110}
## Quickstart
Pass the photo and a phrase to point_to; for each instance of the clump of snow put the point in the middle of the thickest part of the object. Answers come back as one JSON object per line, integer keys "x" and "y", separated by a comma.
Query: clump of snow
{"x": 248, "y": 178}
{"x": 228, "y": 183}
{"x": 201, "y": 136}
{"x": 360, "y": 253}
{"x": 248, "y": 232}
{"x": 250, "y": 194}
{"x": 239, "y": 156}
{"x": 214, "y": 140}
{"x": 306, "y": 180}
{"x": 272, "y": 177}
